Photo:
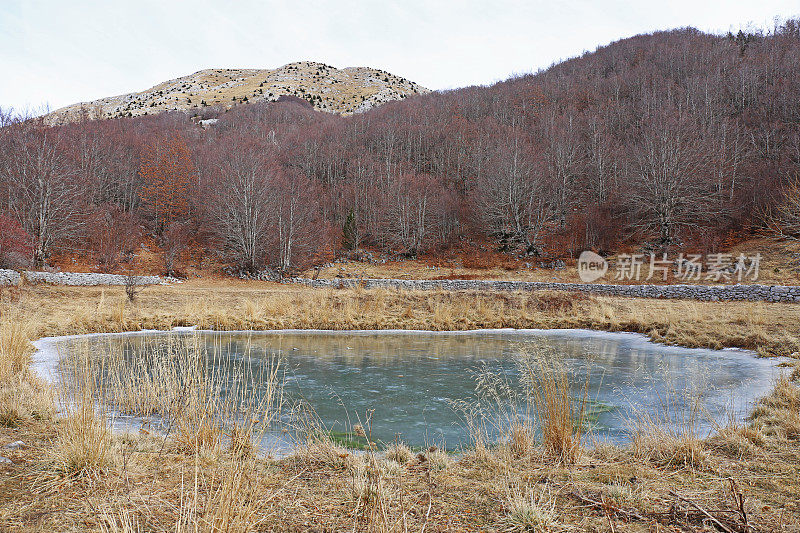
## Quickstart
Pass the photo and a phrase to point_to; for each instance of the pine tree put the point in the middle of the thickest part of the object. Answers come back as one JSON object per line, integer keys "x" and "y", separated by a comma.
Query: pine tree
{"x": 350, "y": 232}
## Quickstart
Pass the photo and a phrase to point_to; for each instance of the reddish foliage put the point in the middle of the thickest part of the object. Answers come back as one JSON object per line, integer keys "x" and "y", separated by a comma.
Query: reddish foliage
{"x": 112, "y": 234}
{"x": 675, "y": 139}
{"x": 481, "y": 259}
{"x": 16, "y": 245}
{"x": 168, "y": 173}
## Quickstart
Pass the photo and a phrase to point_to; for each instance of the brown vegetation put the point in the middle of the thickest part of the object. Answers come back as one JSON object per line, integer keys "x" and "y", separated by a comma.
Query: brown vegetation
{"x": 772, "y": 329}
{"x": 662, "y": 142}
{"x": 75, "y": 475}
{"x": 779, "y": 265}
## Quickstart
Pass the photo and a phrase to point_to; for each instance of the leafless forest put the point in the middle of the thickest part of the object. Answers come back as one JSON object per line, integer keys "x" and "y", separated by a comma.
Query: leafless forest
{"x": 676, "y": 139}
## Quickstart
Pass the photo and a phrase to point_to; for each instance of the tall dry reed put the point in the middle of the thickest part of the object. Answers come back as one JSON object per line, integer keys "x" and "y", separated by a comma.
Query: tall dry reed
{"x": 211, "y": 403}
{"x": 22, "y": 395}
{"x": 669, "y": 434}
{"x": 561, "y": 415}
{"x": 15, "y": 347}
{"x": 541, "y": 407}
{"x": 202, "y": 396}
{"x": 83, "y": 445}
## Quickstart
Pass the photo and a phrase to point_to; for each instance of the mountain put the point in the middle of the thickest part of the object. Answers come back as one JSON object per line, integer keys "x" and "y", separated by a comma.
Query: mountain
{"x": 343, "y": 91}
{"x": 677, "y": 141}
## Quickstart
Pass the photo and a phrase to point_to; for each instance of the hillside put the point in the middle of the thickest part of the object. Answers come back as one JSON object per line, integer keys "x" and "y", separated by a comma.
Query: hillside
{"x": 672, "y": 142}
{"x": 344, "y": 91}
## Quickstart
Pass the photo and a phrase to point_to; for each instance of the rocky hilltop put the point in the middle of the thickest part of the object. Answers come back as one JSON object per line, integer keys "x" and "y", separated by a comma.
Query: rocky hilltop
{"x": 344, "y": 91}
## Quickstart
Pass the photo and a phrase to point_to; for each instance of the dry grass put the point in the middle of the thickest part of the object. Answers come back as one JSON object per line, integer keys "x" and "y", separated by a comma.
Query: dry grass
{"x": 179, "y": 385}
{"x": 209, "y": 425}
{"x": 399, "y": 453}
{"x": 320, "y": 451}
{"x": 560, "y": 416}
{"x": 22, "y": 395}
{"x": 768, "y": 328}
{"x": 15, "y": 347}
{"x": 437, "y": 460}
{"x": 83, "y": 446}
{"x": 779, "y": 413}
{"x": 540, "y": 415}
{"x": 74, "y": 475}
{"x": 778, "y": 266}
{"x": 528, "y": 511}
{"x": 23, "y": 398}
{"x": 670, "y": 435}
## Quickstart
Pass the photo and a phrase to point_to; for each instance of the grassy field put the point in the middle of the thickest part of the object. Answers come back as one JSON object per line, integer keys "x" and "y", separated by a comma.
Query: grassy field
{"x": 771, "y": 329}
{"x": 779, "y": 265}
{"x": 75, "y": 475}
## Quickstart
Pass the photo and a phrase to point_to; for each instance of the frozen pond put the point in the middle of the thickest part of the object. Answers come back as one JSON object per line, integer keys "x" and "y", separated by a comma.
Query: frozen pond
{"x": 402, "y": 384}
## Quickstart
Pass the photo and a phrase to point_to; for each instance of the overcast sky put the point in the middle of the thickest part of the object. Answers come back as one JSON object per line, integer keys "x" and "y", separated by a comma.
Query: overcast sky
{"x": 61, "y": 52}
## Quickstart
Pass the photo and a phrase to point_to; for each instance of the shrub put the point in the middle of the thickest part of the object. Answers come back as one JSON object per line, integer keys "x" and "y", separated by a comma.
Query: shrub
{"x": 399, "y": 453}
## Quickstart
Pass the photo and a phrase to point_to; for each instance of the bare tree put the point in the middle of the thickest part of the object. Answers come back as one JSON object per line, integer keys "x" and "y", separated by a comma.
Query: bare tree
{"x": 133, "y": 286}
{"x": 111, "y": 233}
{"x": 514, "y": 200}
{"x": 601, "y": 163}
{"x": 44, "y": 192}
{"x": 562, "y": 157}
{"x": 784, "y": 219}
{"x": 416, "y": 213}
{"x": 242, "y": 207}
{"x": 174, "y": 240}
{"x": 672, "y": 182}
{"x": 298, "y": 232}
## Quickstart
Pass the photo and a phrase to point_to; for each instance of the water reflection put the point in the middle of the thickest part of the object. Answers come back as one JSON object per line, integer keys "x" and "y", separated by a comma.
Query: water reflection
{"x": 407, "y": 380}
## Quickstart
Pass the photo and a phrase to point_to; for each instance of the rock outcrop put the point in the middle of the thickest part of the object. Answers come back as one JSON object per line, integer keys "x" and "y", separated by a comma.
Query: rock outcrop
{"x": 325, "y": 88}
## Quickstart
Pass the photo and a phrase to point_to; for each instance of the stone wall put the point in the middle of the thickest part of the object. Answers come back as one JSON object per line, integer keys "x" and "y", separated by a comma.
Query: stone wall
{"x": 11, "y": 277}
{"x": 753, "y": 292}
